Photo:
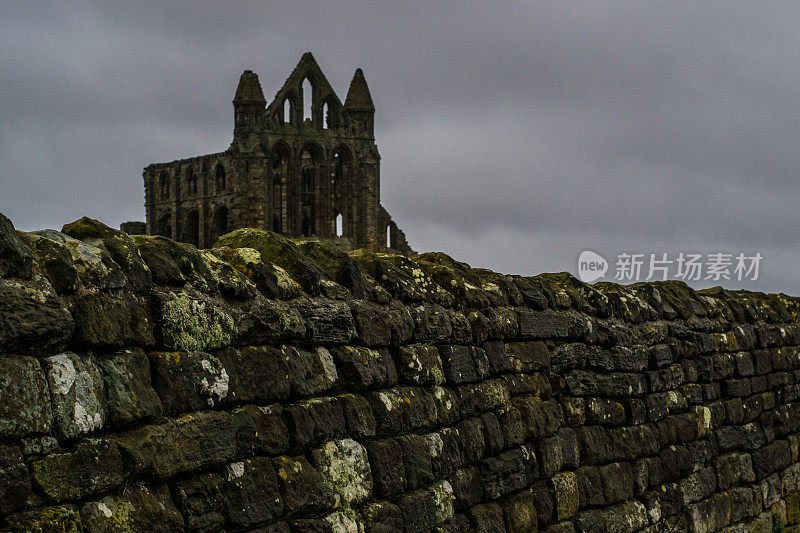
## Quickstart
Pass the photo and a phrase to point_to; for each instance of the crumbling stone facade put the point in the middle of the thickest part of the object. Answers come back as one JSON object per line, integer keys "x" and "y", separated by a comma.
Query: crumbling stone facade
{"x": 267, "y": 385}
{"x": 304, "y": 165}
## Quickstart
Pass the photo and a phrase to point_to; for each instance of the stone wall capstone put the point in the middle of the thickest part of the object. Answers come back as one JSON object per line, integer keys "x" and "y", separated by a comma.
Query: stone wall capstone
{"x": 279, "y": 386}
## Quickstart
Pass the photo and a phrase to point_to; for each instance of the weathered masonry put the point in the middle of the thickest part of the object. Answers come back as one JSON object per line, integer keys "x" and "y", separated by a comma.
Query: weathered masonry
{"x": 304, "y": 165}
{"x": 291, "y": 387}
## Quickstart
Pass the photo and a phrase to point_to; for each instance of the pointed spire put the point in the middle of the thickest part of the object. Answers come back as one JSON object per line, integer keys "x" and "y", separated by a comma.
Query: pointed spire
{"x": 249, "y": 89}
{"x": 358, "y": 96}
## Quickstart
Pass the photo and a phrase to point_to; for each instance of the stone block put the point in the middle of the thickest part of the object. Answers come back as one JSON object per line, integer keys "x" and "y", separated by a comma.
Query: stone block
{"x": 431, "y": 323}
{"x": 467, "y": 485}
{"x": 345, "y": 465}
{"x": 313, "y": 372}
{"x": 565, "y": 487}
{"x": 419, "y": 511}
{"x": 487, "y": 518}
{"x": 94, "y": 467}
{"x": 192, "y": 442}
{"x": 314, "y": 420}
{"x": 327, "y": 321}
{"x": 519, "y": 512}
{"x": 508, "y": 472}
{"x": 32, "y": 318}
{"x": 130, "y": 397}
{"x": 402, "y": 409}
{"x": 191, "y": 321}
{"x": 60, "y": 518}
{"x": 110, "y": 320}
{"x": 242, "y": 495}
{"x": 256, "y": 373}
{"x": 259, "y": 430}
{"x": 302, "y": 488}
{"x": 24, "y": 398}
{"x": 463, "y": 364}
{"x": 361, "y": 368}
{"x": 477, "y": 398}
{"x": 188, "y": 381}
{"x": 374, "y": 323}
{"x": 139, "y": 508}
{"x": 419, "y": 364}
{"x": 387, "y": 467}
{"x": 15, "y": 484}
{"x": 381, "y": 517}
{"x": 528, "y": 356}
{"x": 76, "y": 390}
{"x": 358, "y": 415}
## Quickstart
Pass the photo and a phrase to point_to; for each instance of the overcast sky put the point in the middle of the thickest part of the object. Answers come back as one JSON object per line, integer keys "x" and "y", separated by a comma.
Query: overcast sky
{"x": 513, "y": 135}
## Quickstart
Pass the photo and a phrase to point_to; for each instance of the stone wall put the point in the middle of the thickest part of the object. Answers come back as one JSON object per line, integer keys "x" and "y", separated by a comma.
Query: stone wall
{"x": 280, "y": 387}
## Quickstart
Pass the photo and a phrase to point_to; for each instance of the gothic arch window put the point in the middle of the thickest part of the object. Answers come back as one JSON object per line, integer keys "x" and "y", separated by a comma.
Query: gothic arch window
{"x": 287, "y": 110}
{"x": 330, "y": 113}
{"x": 276, "y": 186}
{"x": 220, "y": 181}
{"x": 342, "y": 193}
{"x": 339, "y": 225}
{"x": 163, "y": 181}
{"x": 219, "y": 223}
{"x": 191, "y": 228}
{"x": 191, "y": 180}
{"x": 388, "y": 236}
{"x": 164, "y": 226}
{"x": 308, "y": 171}
{"x": 308, "y": 99}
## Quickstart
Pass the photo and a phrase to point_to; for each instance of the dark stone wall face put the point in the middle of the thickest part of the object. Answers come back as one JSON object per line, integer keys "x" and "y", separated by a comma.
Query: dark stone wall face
{"x": 278, "y": 386}
{"x": 315, "y": 175}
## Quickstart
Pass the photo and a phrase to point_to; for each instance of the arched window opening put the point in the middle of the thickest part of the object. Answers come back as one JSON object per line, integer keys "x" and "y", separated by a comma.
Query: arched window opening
{"x": 308, "y": 99}
{"x": 191, "y": 229}
{"x": 287, "y": 110}
{"x": 388, "y": 236}
{"x": 307, "y": 192}
{"x": 164, "y": 185}
{"x": 337, "y": 170}
{"x": 342, "y": 189}
{"x": 278, "y": 169}
{"x": 339, "y": 225}
{"x": 219, "y": 224}
{"x": 326, "y": 110}
{"x": 191, "y": 178}
{"x": 164, "y": 226}
{"x": 219, "y": 178}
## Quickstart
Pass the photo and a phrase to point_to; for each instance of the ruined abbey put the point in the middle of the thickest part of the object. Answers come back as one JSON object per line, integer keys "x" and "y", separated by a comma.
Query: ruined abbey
{"x": 304, "y": 165}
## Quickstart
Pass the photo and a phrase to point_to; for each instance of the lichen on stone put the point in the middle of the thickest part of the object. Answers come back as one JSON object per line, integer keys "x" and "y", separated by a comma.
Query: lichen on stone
{"x": 345, "y": 465}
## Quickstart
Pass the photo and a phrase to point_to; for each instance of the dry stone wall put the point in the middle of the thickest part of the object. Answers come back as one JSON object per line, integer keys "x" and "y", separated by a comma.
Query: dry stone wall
{"x": 278, "y": 386}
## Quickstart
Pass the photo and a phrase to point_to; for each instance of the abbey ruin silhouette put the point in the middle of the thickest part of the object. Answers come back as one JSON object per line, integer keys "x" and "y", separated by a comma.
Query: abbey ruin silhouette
{"x": 317, "y": 175}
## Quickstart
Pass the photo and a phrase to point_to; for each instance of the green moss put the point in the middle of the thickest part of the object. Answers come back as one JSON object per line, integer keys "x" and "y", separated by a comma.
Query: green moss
{"x": 191, "y": 324}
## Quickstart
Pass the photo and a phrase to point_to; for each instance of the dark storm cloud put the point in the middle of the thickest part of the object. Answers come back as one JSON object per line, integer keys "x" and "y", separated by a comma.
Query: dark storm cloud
{"x": 513, "y": 136}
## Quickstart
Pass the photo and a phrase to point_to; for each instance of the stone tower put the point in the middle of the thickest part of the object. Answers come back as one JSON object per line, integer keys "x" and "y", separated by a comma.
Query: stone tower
{"x": 300, "y": 170}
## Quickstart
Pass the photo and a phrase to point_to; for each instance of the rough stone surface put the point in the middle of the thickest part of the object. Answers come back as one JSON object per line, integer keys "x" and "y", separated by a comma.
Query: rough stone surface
{"x": 367, "y": 391}
{"x": 345, "y": 465}
{"x": 24, "y": 398}
{"x": 77, "y": 396}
